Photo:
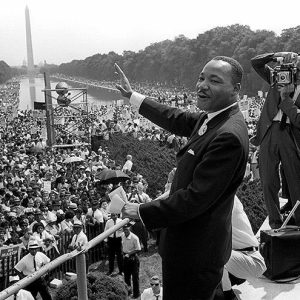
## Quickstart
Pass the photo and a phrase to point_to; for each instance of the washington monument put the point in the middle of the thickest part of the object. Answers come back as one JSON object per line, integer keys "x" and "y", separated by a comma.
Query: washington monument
{"x": 30, "y": 63}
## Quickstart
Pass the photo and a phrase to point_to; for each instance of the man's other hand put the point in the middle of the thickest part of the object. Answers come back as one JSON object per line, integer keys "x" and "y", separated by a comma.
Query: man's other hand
{"x": 125, "y": 87}
{"x": 286, "y": 90}
{"x": 130, "y": 210}
{"x": 288, "y": 57}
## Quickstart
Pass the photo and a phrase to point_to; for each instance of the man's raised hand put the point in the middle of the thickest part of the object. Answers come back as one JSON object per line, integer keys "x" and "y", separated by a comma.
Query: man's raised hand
{"x": 124, "y": 87}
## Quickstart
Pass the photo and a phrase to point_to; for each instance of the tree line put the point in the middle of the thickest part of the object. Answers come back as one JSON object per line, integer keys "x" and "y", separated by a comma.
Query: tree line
{"x": 178, "y": 62}
{"x": 7, "y": 72}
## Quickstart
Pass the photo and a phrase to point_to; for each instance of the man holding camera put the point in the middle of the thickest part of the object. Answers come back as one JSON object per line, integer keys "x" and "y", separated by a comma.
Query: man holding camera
{"x": 278, "y": 130}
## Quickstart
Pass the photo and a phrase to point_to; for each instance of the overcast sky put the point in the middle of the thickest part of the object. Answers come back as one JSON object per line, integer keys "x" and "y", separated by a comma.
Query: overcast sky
{"x": 63, "y": 30}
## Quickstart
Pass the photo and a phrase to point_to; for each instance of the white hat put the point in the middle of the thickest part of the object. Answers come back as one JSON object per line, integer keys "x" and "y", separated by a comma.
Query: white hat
{"x": 33, "y": 244}
{"x": 73, "y": 205}
{"x": 51, "y": 217}
{"x": 77, "y": 224}
{"x": 14, "y": 278}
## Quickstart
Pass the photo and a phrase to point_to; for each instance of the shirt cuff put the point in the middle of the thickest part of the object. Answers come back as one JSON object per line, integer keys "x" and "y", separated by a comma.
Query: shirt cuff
{"x": 140, "y": 214}
{"x": 136, "y": 100}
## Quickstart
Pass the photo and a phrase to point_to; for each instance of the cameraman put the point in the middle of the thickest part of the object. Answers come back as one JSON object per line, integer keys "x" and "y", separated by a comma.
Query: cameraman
{"x": 278, "y": 134}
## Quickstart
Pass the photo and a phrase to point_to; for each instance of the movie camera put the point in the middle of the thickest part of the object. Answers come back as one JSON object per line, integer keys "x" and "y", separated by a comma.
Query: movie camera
{"x": 285, "y": 73}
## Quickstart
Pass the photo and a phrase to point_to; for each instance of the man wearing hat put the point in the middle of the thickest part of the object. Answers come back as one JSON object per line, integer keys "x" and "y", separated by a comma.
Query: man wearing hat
{"x": 94, "y": 214}
{"x": 21, "y": 294}
{"x": 114, "y": 244}
{"x": 130, "y": 247}
{"x": 79, "y": 239}
{"x": 30, "y": 263}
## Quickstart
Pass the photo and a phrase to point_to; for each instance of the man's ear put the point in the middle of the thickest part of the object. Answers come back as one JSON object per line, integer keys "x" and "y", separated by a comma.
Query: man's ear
{"x": 237, "y": 88}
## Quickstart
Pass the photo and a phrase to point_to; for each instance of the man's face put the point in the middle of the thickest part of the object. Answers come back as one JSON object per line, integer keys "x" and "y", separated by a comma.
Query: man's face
{"x": 126, "y": 231}
{"x": 215, "y": 89}
{"x": 77, "y": 229}
{"x": 33, "y": 251}
{"x": 155, "y": 285}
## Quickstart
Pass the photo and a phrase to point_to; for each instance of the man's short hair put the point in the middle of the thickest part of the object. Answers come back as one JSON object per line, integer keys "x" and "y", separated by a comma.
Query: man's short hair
{"x": 155, "y": 278}
{"x": 237, "y": 69}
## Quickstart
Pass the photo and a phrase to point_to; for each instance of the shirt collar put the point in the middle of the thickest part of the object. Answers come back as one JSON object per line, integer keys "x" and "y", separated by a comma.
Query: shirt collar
{"x": 215, "y": 113}
{"x": 128, "y": 237}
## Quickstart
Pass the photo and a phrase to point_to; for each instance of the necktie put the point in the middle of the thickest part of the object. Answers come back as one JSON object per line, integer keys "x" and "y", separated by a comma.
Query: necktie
{"x": 15, "y": 296}
{"x": 76, "y": 239}
{"x": 115, "y": 235}
{"x": 156, "y": 296}
{"x": 34, "y": 263}
{"x": 41, "y": 235}
{"x": 283, "y": 121}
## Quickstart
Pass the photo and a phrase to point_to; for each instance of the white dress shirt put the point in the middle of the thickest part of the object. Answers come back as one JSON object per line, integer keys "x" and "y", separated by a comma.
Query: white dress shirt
{"x": 130, "y": 243}
{"x": 148, "y": 294}
{"x": 97, "y": 214}
{"x": 110, "y": 223}
{"x": 21, "y": 295}
{"x": 242, "y": 234}
{"x": 79, "y": 239}
{"x": 26, "y": 264}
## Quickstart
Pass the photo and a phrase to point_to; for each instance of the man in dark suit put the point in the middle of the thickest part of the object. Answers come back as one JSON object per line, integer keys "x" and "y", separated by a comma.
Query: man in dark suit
{"x": 196, "y": 218}
{"x": 278, "y": 135}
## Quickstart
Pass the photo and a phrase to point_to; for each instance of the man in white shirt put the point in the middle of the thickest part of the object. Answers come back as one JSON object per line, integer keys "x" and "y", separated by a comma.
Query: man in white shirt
{"x": 245, "y": 260}
{"x": 114, "y": 243}
{"x": 155, "y": 291}
{"x": 79, "y": 239}
{"x": 130, "y": 247}
{"x": 95, "y": 214}
{"x": 31, "y": 263}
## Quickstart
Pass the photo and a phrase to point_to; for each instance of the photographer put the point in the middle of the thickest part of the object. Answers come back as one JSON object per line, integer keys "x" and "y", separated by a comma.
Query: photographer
{"x": 278, "y": 130}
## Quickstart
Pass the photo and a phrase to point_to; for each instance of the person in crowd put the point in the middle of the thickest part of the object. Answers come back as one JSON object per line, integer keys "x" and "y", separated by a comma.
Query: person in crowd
{"x": 66, "y": 225}
{"x": 128, "y": 164}
{"x": 155, "y": 292}
{"x": 104, "y": 210}
{"x": 21, "y": 294}
{"x": 38, "y": 216}
{"x": 94, "y": 215}
{"x": 210, "y": 168}
{"x": 40, "y": 235}
{"x": 114, "y": 244}
{"x": 254, "y": 164}
{"x": 30, "y": 263}
{"x": 79, "y": 238}
{"x": 130, "y": 248}
{"x": 278, "y": 135}
{"x": 245, "y": 261}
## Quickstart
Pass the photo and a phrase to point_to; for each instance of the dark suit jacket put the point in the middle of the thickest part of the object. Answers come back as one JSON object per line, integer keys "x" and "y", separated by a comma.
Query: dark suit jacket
{"x": 197, "y": 215}
{"x": 273, "y": 103}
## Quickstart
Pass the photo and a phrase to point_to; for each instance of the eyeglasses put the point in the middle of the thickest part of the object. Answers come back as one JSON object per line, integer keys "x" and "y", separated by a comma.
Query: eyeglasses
{"x": 156, "y": 284}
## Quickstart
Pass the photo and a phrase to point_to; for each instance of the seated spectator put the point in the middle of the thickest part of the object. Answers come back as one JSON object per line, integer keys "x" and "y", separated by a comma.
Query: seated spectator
{"x": 245, "y": 260}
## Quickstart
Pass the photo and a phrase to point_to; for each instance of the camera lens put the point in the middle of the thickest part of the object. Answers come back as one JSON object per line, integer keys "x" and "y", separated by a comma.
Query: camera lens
{"x": 282, "y": 77}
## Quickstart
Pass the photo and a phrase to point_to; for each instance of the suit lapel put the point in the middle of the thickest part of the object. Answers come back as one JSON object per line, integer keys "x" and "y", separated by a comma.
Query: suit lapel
{"x": 194, "y": 134}
{"x": 210, "y": 124}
